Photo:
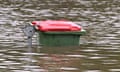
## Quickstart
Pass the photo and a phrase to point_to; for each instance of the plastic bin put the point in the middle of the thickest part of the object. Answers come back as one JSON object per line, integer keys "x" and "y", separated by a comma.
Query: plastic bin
{"x": 58, "y": 33}
{"x": 60, "y": 38}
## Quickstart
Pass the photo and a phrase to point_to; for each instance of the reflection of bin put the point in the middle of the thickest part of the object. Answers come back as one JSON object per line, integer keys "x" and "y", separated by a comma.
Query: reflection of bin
{"x": 58, "y": 33}
{"x": 60, "y": 38}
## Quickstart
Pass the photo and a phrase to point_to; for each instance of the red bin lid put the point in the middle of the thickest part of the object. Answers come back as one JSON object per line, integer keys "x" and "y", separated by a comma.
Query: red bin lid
{"x": 56, "y": 25}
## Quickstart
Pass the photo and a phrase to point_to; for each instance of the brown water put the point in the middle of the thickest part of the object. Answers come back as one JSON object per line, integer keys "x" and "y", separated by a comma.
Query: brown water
{"x": 99, "y": 50}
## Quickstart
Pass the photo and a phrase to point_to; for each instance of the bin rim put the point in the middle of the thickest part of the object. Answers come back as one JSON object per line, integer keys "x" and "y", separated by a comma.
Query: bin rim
{"x": 82, "y": 32}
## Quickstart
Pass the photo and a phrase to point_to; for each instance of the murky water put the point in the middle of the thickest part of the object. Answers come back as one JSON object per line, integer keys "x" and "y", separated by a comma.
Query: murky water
{"x": 99, "y": 50}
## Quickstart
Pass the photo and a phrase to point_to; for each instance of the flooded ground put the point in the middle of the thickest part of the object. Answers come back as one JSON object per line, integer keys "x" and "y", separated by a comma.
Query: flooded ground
{"x": 99, "y": 50}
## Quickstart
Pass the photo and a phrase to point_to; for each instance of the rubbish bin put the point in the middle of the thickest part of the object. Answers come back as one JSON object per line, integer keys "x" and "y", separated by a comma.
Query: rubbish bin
{"x": 58, "y": 33}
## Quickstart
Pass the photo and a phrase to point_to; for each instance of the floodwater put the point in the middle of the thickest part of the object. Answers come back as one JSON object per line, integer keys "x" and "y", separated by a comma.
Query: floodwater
{"x": 99, "y": 49}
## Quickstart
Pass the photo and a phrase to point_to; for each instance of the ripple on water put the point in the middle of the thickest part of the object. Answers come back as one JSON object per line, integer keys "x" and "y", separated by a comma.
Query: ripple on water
{"x": 114, "y": 70}
{"x": 68, "y": 68}
{"x": 20, "y": 71}
{"x": 96, "y": 57}
{"x": 3, "y": 67}
{"x": 89, "y": 50}
{"x": 76, "y": 56}
{"x": 92, "y": 71}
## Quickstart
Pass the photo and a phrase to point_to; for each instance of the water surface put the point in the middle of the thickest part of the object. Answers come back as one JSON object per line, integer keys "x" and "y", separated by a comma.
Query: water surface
{"x": 99, "y": 50}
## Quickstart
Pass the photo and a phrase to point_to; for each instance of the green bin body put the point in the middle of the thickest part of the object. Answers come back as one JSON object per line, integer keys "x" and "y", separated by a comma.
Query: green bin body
{"x": 66, "y": 38}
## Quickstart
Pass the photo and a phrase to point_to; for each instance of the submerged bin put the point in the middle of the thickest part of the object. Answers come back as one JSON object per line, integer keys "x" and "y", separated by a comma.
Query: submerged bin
{"x": 58, "y": 33}
{"x": 60, "y": 38}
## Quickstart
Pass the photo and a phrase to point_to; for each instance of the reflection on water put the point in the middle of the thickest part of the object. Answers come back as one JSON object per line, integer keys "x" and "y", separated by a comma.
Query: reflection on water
{"x": 99, "y": 50}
